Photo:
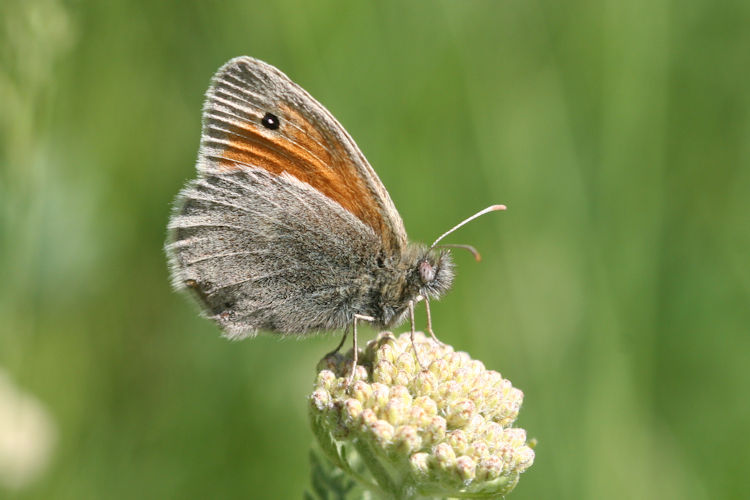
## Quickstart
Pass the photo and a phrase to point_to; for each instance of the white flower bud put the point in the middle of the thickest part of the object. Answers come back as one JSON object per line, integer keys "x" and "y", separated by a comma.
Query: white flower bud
{"x": 450, "y": 423}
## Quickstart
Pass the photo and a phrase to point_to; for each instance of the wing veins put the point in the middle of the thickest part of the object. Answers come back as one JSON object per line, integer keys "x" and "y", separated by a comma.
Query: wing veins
{"x": 242, "y": 120}
{"x": 223, "y": 255}
{"x": 251, "y": 105}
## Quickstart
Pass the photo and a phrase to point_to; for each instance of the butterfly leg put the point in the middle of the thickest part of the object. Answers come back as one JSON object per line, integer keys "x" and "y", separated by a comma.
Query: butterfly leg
{"x": 413, "y": 345}
{"x": 354, "y": 344}
{"x": 346, "y": 332}
{"x": 429, "y": 320}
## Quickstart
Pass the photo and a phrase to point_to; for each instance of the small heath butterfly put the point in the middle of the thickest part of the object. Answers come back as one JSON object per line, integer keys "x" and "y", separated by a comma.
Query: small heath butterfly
{"x": 287, "y": 227}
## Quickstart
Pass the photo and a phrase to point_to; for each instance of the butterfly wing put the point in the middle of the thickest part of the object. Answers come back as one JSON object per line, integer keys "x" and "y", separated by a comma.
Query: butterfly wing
{"x": 283, "y": 226}
{"x": 268, "y": 252}
{"x": 307, "y": 143}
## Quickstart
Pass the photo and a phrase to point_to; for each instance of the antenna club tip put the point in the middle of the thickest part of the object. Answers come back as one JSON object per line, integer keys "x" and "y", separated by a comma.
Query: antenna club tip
{"x": 489, "y": 209}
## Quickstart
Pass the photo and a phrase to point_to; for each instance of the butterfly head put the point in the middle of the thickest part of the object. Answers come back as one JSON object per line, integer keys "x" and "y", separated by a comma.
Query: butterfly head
{"x": 434, "y": 273}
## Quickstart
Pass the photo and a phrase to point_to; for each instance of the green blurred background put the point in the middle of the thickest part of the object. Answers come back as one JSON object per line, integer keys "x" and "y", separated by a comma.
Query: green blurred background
{"x": 614, "y": 291}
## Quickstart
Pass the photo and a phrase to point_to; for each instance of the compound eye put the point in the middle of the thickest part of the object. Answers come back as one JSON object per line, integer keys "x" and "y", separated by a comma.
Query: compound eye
{"x": 426, "y": 272}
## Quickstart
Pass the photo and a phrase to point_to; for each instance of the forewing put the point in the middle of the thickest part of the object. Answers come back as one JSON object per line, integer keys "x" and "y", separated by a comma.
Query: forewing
{"x": 266, "y": 251}
{"x": 309, "y": 144}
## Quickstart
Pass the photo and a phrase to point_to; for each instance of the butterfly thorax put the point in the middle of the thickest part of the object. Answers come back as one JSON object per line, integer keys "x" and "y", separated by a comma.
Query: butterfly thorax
{"x": 418, "y": 271}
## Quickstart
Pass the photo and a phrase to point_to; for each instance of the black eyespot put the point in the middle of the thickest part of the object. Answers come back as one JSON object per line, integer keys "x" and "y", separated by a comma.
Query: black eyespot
{"x": 270, "y": 121}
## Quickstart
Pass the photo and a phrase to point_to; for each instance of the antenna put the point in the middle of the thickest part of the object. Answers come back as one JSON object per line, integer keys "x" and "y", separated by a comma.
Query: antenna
{"x": 487, "y": 210}
{"x": 470, "y": 248}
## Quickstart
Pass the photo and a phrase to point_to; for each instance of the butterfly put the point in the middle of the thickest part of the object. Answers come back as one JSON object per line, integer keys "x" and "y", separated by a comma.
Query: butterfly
{"x": 287, "y": 228}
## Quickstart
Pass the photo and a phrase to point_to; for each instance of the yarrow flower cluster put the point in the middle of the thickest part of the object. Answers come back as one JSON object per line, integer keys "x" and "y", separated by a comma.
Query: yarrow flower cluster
{"x": 409, "y": 433}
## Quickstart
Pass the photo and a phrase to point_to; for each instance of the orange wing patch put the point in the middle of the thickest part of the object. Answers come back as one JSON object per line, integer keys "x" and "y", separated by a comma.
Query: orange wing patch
{"x": 304, "y": 151}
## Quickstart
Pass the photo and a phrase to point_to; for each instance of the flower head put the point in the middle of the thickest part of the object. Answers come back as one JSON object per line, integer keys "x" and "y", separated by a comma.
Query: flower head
{"x": 443, "y": 431}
